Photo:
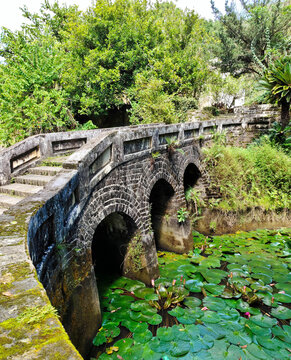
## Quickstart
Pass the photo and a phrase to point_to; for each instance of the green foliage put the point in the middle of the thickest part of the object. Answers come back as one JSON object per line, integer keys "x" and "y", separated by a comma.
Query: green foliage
{"x": 278, "y": 137}
{"x": 257, "y": 176}
{"x": 150, "y": 59}
{"x": 134, "y": 252}
{"x": 260, "y": 26}
{"x": 276, "y": 82}
{"x": 182, "y": 215}
{"x": 32, "y": 99}
{"x": 229, "y": 301}
{"x": 88, "y": 125}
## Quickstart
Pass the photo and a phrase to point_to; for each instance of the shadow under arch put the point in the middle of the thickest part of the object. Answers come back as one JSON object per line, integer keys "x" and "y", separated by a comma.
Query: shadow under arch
{"x": 109, "y": 244}
{"x": 191, "y": 176}
{"x": 160, "y": 201}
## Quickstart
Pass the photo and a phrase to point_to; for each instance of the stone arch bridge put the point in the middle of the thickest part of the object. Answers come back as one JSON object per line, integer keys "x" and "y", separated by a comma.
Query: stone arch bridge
{"x": 119, "y": 187}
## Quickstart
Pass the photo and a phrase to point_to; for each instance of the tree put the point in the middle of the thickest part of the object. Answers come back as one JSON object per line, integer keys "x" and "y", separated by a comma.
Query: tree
{"x": 276, "y": 82}
{"x": 32, "y": 99}
{"x": 243, "y": 31}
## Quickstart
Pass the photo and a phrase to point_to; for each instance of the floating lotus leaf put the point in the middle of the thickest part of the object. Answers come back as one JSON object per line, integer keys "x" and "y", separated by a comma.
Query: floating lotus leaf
{"x": 283, "y": 334}
{"x": 218, "y": 349}
{"x": 191, "y": 302}
{"x": 258, "y": 330}
{"x": 256, "y": 351}
{"x": 214, "y": 303}
{"x": 120, "y": 301}
{"x": 210, "y": 317}
{"x": 263, "y": 321}
{"x": 153, "y": 297}
{"x": 284, "y": 286}
{"x": 133, "y": 353}
{"x": 230, "y": 314}
{"x": 264, "y": 277}
{"x": 200, "y": 343}
{"x": 159, "y": 346}
{"x": 140, "y": 305}
{"x": 234, "y": 352}
{"x": 149, "y": 354}
{"x": 197, "y": 277}
{"x": 186, "y": 269}
{"x": 142, "y": 292}
{"x": 281, "y": 312}
{"x": 124, "y": 344}
{"x": 271, "y": 344}
{"x": 216, "y": 330}
{"x": 165, "y": 334}
{"x": 281, "y": 354}
{"x": 180, "y": 332}
{"x": 138, "y": 316}
{"x": 231, "y": 303}
{"x": 282, "y": 278}
{"x": 211, "y": 262}
{"x": 243, "y": 306}
{"x": 259, "y": 286}
{"x": 192, "y": 331}
{"x": 197, "y": 259}
{"x": 190, "y": 316}
{"x": 155, "y": 319}
{"x": 213, "y": 276}
{"x": 267, "y": 298}
{"x": 99, "y": 339}
{"x": 142, "y": 336}
{"x": 179, "y": 348}
{"x": 194, "y": 285}
{"x": 230, "y": 293}
{"x": 284, "y": 298}
{"x": 214, "y": 289}
{"x": 177, "y": 311}
{"x": 238, "y": 337}
{"x": 137, "y": 326}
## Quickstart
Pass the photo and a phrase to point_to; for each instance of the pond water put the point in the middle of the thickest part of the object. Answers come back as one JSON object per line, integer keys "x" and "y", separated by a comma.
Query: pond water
{"x": 229, "y": 298}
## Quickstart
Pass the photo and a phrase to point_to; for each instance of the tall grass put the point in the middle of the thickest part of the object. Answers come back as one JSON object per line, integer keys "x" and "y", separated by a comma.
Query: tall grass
{"x": 257, "y": 176}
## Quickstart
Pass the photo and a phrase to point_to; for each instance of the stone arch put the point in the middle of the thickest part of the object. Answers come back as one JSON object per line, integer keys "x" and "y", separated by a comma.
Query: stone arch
{"x": 160, "y": 199}
{"x": 110, "y": 242}
{"x": 191, "y": 176}
{"x": 103, "y": 202}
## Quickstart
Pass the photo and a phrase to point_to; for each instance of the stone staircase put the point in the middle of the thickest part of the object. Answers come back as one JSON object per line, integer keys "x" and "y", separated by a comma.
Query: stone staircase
{"x": 30, "y": 183}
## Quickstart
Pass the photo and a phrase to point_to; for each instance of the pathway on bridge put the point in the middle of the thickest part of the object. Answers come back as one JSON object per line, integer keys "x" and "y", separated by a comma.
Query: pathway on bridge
{"x": 34, "y": 180}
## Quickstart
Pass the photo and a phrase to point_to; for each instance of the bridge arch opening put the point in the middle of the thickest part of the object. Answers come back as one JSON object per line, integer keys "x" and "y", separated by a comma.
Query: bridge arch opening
{"x": 160, "y": 202}
{"x": 110, "y": 242}
{"x": 191, "y": 176}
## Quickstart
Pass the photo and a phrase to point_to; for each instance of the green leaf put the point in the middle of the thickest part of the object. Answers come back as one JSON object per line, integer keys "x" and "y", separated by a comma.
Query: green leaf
{"x": 142, "y": 336}
{"x": 281, "y": 312}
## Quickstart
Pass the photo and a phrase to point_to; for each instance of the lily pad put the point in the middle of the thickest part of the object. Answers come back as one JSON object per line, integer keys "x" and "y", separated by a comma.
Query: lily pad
{"x": 281, "y": 312}
{"x": 214, "y": 289}
{"x": 142, "y": 336}
{"x": 194, "y": 285}
{"x": 263, "y": 321}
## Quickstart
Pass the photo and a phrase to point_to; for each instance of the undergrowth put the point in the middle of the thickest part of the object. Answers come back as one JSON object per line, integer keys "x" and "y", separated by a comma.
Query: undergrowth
{"x": 257, "y": 176}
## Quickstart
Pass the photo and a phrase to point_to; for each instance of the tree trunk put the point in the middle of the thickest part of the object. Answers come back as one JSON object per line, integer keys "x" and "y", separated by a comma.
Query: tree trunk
{"x": 285, "y": 113}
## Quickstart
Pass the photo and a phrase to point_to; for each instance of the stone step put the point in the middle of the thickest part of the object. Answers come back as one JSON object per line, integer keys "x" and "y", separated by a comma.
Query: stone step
{"x": 46, "y": 170}
{"x": 20, "y": 189}
{"x": 55, "y": 161}
{"x": 7, "y": 200}
{"x": 33, "y": 179}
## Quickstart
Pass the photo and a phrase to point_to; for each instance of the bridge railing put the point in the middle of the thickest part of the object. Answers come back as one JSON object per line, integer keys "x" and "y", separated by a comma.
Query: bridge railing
{"x": 17, "y": 158}
{"x": 137, "y": 139}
